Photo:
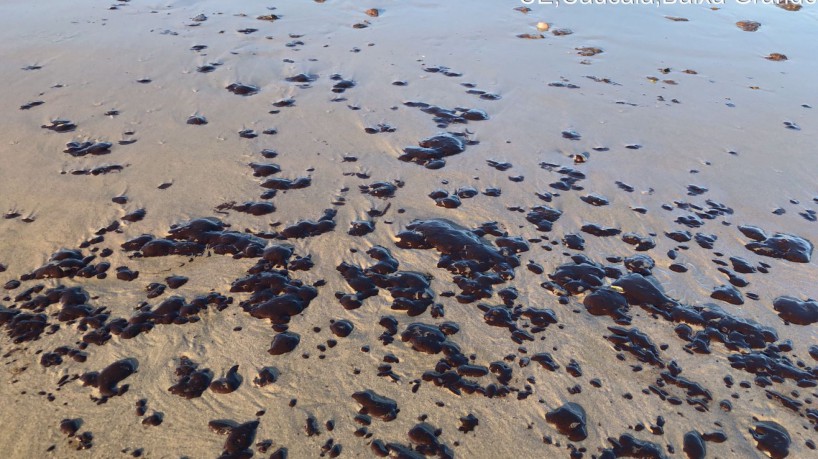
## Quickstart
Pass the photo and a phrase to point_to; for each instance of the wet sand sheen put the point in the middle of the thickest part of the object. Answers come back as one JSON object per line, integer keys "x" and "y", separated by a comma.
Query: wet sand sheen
{"x": 333, "y": 229}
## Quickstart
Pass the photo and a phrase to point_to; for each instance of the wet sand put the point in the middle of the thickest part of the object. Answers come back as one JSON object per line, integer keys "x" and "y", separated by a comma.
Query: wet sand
{"x": 424, "y": 230}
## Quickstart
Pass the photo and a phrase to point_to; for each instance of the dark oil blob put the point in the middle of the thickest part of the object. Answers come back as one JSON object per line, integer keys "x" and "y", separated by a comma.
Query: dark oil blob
{"x": 500, "y": 166}
{"x": 155, "y": 289}
{"x": 813, "y": 351}
{"x": 342, "y": 328}
{"x": 443, "y": 70}
{"x": 795, "y": 311}
{"x": 239, "y": 437}
{"x": 302, "y": 78}
{"x": 78, "y": 149}
{"x": 468, "y": 423}
{"x": 543, "y": 217}
{"x": 135, "y": 216}
{"x": 545, "y": 359}
{"x": 599, "y": 231}
{"x": 380, "y": 449}
{"x": 242, "y": 89}
{"x": 771, "y": 438}
{"x": 154, "y": 420}
{"x": 431, "y": 151}
{"x": 284, "y": 103}
{"x": 248, "y": 134}
{"x": 637, "y": 343}
{"x": 229, "y": 383}
{"x": 193, "y": 237}
{"x": 574, "y": 241}
{"x": 287, "y": 184}
{"x": 275, "y": 296}
{"x": 779, "y": 245}
{"x": 629, "y": 446}
{"x": 31, "y": 105}
{"x": 197, "y": 120}
{"x": 311, "y": 427}
{"x": 378, "y": 128}
{"x": 175, "y": 282}
{"x": 579, "y": 276}
{"x": 60, "y": 125}
{"x": 641, "y": 264}
{"x": 191, "y": 380}
{"x": 249, "y": 207}
{"x": 21, "y": 326}
{"x": 424, "y": 338}
{"x": 310, "y": 228}
{"x": 376, "y": 405}
{"x": 100, "y": 170}
{"x": 342, "y": 85}
{"x": 425, "y": 438}
{"x": 443, "y": 199}
{"x": 69, "y": 427}
{"x": 410, "y": 291}
{"x": 476, "y": 263}
{"x": 266, "y": 376}
{"x": 570, "y": 421}
{"x": 126, "y": 274}
{"x": 83, "y": 441}
{"x": 608, "y": 302}
{"x": 284, "y": 342}
{"x": 12, "y": 284}
{"x": 728, "y": 294}
{"x": 379, "y": 189}
{"x": 680, "y": 236}
{"x": 361, "y": 227}
{"x": 264, "y": 170}
{"x": 107, "y": 380}
{"x": 595, "y": 200}
{"x": 642, "y": 243}
{"x": 694, "y": 446}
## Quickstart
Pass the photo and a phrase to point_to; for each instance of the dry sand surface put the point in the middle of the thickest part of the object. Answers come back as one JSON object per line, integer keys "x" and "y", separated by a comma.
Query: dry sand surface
{"x": 407, "y": 228}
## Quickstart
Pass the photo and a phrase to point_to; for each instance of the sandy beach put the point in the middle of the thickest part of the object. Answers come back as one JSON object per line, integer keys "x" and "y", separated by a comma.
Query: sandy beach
{"x": 474, "y": 229}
